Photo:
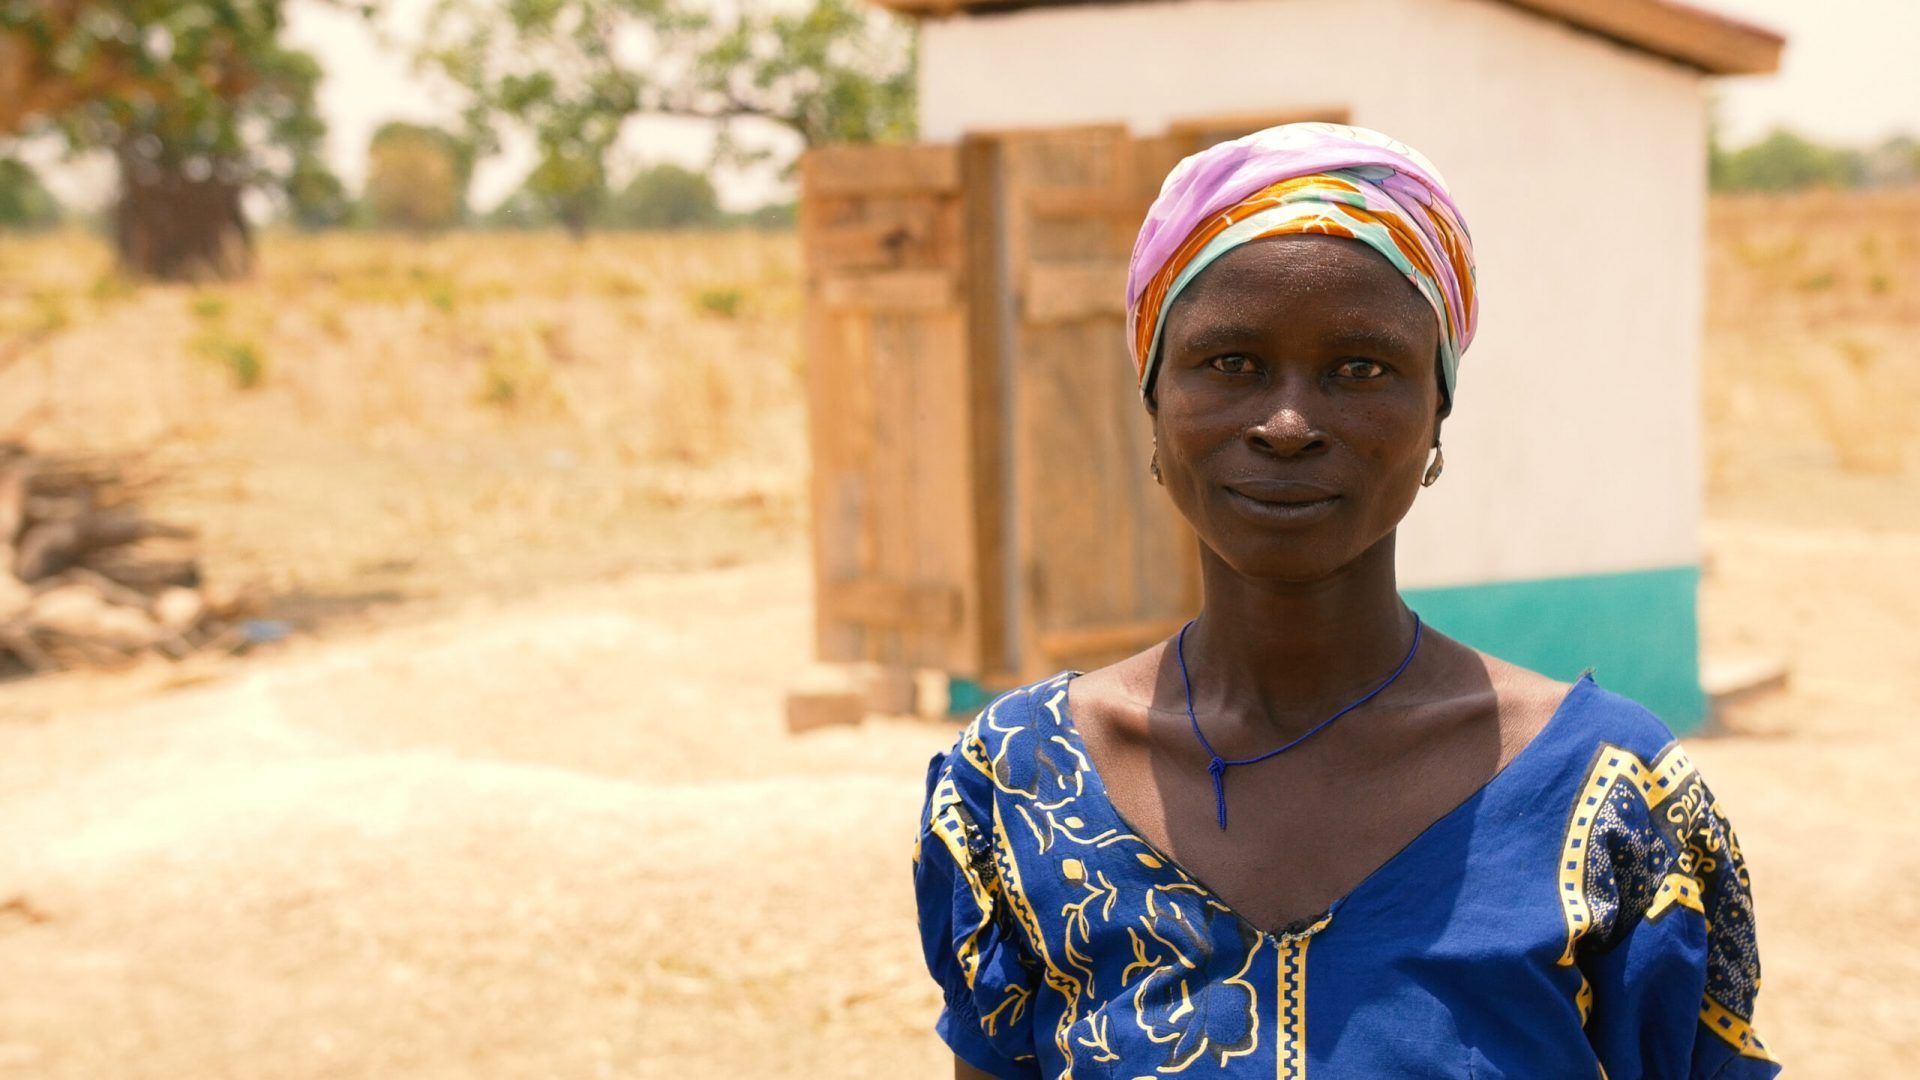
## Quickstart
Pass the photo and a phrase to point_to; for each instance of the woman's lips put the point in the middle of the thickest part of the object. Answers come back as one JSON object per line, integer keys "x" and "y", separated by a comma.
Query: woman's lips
{"x": 1283, "y": 502}
{"x": 1281, "y": 491}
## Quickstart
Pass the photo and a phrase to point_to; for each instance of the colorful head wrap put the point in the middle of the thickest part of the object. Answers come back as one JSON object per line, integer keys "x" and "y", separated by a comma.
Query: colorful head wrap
{"x": 1326, "y": 179}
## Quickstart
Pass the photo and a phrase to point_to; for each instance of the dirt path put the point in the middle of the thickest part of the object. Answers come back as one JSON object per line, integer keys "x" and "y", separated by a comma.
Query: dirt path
{"x": 570, "y": 839}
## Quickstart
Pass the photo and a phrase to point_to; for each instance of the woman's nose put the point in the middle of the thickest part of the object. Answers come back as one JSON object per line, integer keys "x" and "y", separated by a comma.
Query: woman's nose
{"x": 1286, "y": 427}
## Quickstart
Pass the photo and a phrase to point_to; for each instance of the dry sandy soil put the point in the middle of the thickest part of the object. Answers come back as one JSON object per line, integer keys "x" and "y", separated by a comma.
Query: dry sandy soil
{"x": 522, "y": 805}
{"x": 570, "y": 839}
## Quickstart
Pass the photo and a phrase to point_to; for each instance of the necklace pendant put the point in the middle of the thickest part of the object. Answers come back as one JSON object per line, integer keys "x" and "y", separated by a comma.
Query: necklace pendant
{"x": 1218, "y": 770}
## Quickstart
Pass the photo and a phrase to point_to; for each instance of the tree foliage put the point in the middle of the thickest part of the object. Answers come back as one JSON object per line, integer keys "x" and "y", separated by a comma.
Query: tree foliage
{"x": 1784, "y": 161}
{"x": 25, "y": 203}
{"x": 417, "y": 177}
{"x": 197, "y": 102}
{"x": 665, "y": 196}
{"x": 571, "y": 73}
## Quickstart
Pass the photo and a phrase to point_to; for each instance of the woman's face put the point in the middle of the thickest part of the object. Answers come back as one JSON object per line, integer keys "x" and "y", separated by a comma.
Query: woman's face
{"x": 1296, "y": 404}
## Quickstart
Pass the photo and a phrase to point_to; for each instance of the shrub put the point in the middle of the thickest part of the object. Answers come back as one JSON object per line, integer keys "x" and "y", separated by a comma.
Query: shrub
{"x": 722, "y": 301}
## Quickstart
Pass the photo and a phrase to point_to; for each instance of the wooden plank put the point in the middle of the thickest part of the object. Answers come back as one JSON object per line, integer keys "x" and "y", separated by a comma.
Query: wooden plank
{"x": 1060, "y": 292}
{"x": 936, "y": 444}
{"x": 1103, "y": 201}
{"x": 839, "y": 435}
{"x": 989, "y": 304}
{"x": 891, "y": 604}
{"x": 821, "y": 702}
{"x": 1713, "y": 43}
{"x": 1105, "y": 639}
{"x": 897, "y": 233}
{"x": 890, "y": 291}
{"x": 1200, "y": 132}
{"x": 868, "y": 171}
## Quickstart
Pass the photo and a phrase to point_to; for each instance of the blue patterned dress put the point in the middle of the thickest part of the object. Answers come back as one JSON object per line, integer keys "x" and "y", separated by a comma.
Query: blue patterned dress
{"x": 1585, "y": 914}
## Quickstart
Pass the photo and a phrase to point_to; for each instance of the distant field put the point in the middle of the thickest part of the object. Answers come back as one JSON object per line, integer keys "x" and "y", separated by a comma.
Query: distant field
{"x": 1812, "y": 369}
{"x": 378, "y": 418}
{"x": 375, "y": 418}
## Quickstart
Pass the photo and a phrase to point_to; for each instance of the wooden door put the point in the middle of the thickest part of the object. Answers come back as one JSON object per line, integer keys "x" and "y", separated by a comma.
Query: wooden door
{"x": 1104, "y": 564}
{"x": 884, "y": 243}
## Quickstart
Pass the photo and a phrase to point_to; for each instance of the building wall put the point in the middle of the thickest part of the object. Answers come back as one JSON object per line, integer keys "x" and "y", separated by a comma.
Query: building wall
{"x": 1574, "y": 450}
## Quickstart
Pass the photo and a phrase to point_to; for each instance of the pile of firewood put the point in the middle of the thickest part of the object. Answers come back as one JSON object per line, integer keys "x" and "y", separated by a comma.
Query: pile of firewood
{"x": 85, "y": 579}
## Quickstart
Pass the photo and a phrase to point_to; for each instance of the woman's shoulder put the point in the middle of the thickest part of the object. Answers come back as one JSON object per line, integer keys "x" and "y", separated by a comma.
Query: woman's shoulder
{"x": 1039, "y": 703}
{"x": 1584, "y": 714}
{"x": 989, "y": 746}
{"x": 1603, "y": 716}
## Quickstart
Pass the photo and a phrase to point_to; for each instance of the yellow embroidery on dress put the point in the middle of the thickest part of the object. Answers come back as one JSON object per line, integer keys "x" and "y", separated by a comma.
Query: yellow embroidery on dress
{"x": 1016, "y": 999}
{"x": 1680, "y": 889}
{"x": 1654, "y": 783}
{"x": 1075, "y": 914}
{"x": 1671, "y": 788}
{"x": 1066, "y": 985}
{"x": 1096, "y": 1039}
{"x": 1140, "y": 958}
{"x": 1204, "y": 1046}
{"x": 1733, "y": 1029}
{"x": 947, "y": 820}
{"x": 1290, "y": 1042}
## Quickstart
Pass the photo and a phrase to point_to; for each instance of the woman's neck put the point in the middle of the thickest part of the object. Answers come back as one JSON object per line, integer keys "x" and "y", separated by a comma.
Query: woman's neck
{"x": 1283, "y": 656}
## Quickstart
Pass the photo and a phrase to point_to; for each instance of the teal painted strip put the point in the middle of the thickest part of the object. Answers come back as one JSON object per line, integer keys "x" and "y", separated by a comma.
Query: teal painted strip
{"x": 1639, "y": 631}
{"x": 966, "y": 696}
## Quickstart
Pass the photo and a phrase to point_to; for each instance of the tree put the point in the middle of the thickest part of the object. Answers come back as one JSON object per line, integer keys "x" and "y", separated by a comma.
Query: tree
{"x": 771, "y": 216}
{"x": 521, "y": 210}
{"x": 1894, "y": 163}
{"x": 197, "y": 102}
{"x": 25, "y": 203}
{"x": 665, "y": 196}
{"x": 316, "y": 199}
{"x": 417, "y": 177}
{"x": 1785, "y": 161}
{"x": 571, "y": 73}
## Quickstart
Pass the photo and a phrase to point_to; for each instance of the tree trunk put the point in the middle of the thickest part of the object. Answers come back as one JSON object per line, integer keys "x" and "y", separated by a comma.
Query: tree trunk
{"x": 175, "y": 226}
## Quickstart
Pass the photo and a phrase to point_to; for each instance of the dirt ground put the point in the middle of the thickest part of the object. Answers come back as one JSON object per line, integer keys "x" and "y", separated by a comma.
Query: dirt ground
{"x": 568, "y": 837}
{"x": 564, "y": 839}
{"x": 522, "y": 805}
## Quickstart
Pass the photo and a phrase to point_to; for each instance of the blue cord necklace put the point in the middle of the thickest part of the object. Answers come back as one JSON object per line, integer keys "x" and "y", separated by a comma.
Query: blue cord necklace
{"x": 1217, "y": 767}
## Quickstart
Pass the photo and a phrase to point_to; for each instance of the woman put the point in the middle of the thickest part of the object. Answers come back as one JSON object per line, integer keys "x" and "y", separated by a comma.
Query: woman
{"x": 1310, "y": 836}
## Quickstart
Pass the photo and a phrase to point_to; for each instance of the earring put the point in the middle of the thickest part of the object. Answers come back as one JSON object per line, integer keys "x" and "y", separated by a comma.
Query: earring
{"x": 1153, "y": 465}
{"x": 1433, "y": 470}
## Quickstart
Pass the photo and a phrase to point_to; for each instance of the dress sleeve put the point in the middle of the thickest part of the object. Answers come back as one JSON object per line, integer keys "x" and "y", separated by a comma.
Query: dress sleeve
{"x": 1672, "y": 962}
{"x": 973, "y": 947}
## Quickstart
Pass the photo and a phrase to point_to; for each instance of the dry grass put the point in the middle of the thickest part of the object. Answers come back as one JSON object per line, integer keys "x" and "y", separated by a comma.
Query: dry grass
{"x": 383, "y": 418}
{"x": 1813, "y": 353}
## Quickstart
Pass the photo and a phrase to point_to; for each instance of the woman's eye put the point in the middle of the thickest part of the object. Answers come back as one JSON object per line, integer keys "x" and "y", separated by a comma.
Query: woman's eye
{"x": 1232, "y": 365}
{"x": 1362, "y": 369}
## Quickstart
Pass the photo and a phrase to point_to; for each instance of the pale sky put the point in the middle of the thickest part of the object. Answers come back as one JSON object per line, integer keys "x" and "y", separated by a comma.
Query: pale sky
{"x": 1851, "y": 74}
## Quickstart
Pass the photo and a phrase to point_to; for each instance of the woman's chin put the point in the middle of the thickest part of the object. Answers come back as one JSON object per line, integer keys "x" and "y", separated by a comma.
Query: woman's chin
{"x": 1292, "y": 562}
{"x": 1298, "y": 557}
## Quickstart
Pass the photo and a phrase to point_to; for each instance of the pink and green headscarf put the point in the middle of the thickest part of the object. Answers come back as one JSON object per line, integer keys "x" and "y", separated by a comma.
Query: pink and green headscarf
{"x": 1326, "y": 179}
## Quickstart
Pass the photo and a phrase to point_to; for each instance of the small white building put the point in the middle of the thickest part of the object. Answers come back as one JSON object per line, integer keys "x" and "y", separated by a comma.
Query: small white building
{"x": 1573, "y": 134}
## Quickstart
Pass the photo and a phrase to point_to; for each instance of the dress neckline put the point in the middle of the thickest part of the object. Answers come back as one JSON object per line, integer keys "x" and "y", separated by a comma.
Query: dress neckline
{"x": 1311, "y": 924}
